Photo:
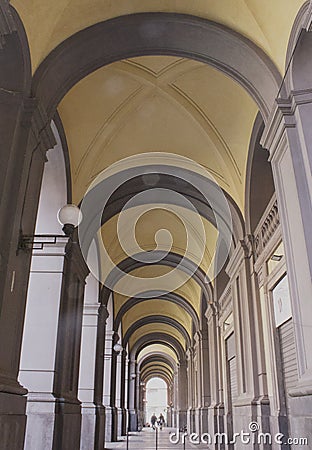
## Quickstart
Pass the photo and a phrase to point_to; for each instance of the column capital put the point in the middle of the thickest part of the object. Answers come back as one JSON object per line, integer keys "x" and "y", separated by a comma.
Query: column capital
{"x": 236, "y": 259}
{"x": 35, "y": 118}
{"x": 41, "y": 128}
{"x": 103, "y": 313}
{"x": 73, "y": 252}
{"x": 283, "y": 118}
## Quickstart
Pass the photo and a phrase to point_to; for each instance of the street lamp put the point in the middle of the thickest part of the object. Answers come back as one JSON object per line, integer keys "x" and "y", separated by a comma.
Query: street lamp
{"x": 118, "y": 348}
{"x": 69, "y": 216}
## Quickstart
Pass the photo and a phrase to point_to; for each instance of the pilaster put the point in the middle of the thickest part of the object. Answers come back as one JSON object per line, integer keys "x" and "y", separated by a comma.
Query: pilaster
{"x": 288, "y": 139}
{"x": 68, "y": 411}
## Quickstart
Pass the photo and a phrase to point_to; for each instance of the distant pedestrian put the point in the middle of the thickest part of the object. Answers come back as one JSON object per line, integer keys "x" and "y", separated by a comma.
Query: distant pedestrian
{"x": 161, "y": 421}
{"x": 153, "y": 421}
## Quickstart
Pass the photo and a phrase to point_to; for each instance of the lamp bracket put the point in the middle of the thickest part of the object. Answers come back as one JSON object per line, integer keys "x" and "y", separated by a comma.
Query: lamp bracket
{"x": 39, "y": 241}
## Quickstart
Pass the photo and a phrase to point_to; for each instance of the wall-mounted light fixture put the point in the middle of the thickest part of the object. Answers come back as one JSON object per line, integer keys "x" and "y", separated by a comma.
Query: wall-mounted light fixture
{"x": 69, "y": 217}
{"x": 118, "y": 348}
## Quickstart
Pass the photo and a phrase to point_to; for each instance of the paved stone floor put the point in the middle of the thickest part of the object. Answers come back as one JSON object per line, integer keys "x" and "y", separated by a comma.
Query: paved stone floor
{"x": 146, "y": 439}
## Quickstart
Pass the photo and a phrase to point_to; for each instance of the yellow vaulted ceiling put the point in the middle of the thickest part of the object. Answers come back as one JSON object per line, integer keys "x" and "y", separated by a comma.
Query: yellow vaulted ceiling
{"x": 156, "y": 328}
{"x": 156, "y": 308}
{"x": 159, "y": 227}
{"x": 266, "y": 22}
{"x": 160, "y": 277}
{"x": 158, "y": 104}
{"x": 159, "y": 349}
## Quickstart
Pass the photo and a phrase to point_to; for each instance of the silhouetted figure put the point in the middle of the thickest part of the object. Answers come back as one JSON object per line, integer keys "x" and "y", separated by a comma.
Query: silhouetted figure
{"x": 161, "y": 421}
{"x": 153, "y": 421}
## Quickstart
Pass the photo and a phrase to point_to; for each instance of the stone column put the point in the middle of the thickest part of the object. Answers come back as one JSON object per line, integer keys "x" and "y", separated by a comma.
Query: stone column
{"x": 138, "y": 396}
{"x": 192, "y": 390}
{"x": 133, "y": 418}
{"x": 99, "y": 378}
{"x": 238, "y": 270}
{"x": 183, "y": 393}
{"x": 87, "y": 364}
{"x": 203, "y": 377}
{"x": 176, "y": 399}
{"x": 114, "y": 385}
{"x": 68, "y": 411}
{"x": 107, "y": 384}
{"x": 25, "y": 138}
{"x": 216, "y": 409}
{"x": 170, "y": 421}
{"x": 123, "y": 393}
{"x": 39, "y": 343}
{"x": 288, "y": 139}
{"x": 118, "y": 393}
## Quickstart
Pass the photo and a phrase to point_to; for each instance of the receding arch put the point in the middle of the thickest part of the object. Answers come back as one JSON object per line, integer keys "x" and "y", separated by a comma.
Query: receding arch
{"x": 157, "y": 34}
{"x": 225, "y": 214}
{"x": 299, "y": 48}
{"x": 156, "y": 357}
{"x": 259, "y": 178}
{"x": 159, "y": 365}
{"x": 168, "y": 259}
{"x": 157, "y": 374}
{"x": 159, "y": 337}
{"x": 157, "y": 319}
{"x": 160, "y": 295}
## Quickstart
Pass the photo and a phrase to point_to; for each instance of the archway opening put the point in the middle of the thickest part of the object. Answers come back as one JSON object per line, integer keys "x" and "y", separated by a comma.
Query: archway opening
{"x": 156, "y": 398}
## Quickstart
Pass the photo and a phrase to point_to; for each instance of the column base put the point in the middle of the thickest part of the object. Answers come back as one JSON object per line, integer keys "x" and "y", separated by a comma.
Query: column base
{"x": 191, "y": 420}
{"x": 100, "y": 428}
{"x": 119, "y": 422}
{"x": 12, "y": 421}
{"x": 133, "y": 420}
{"x": 203, "y": 415}
{"x": 67, "y": 428}
{"x": 182, "y": 419}
{"x": 40, "y": 421}
{"x": 216, "y": 419}
{"x": 300, "y": 417}
{"x": 111, "y": 423}
{"x": 88, "y": 426}
{"x": 124, "y": 422}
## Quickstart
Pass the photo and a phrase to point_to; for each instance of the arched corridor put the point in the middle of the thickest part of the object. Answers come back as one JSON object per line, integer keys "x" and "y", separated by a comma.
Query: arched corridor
{"x": 155, "y": 216}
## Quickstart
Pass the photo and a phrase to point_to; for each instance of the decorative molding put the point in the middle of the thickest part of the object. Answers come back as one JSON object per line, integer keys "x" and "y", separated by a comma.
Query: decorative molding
{"x": 302, "y": 22}
{"x": 41, "y": 128}
{"x": 267, "y": 226}
{"x": 236, "y": 259}
{"x": 33, "y": 116}
{"x": 283, "y": 118}
{"x": 225, "y": 303}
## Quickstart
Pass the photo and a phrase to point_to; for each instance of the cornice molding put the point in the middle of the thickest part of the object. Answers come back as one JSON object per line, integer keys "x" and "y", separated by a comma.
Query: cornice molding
{"x": 236, "y": 259}
{"x": 283, "y": 118}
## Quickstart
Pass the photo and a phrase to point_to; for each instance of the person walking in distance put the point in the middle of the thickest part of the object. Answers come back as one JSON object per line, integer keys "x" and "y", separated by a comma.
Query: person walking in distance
{"x": 161, "y": 421}
{"x": 153, "y": 421}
